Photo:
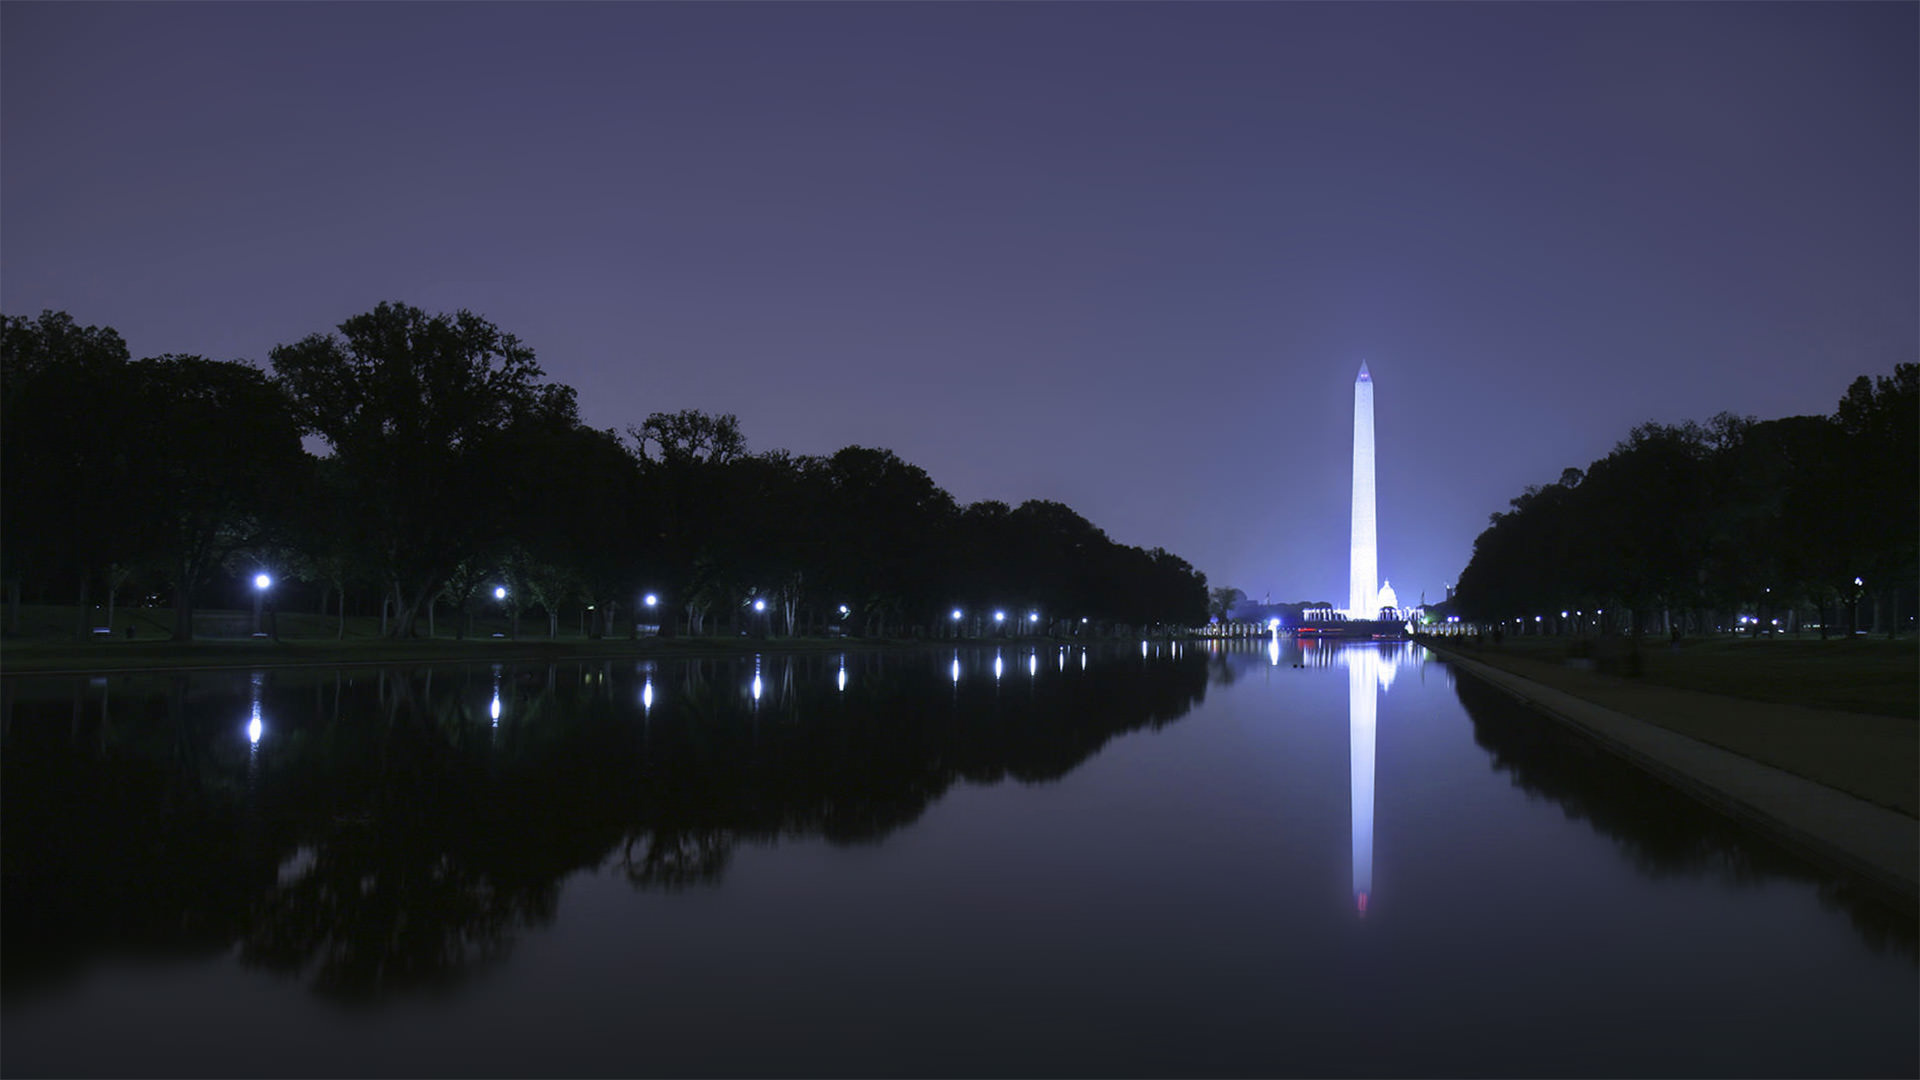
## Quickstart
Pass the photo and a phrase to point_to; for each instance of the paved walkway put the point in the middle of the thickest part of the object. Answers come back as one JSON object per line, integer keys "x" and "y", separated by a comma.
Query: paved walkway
{"x": 1876, "y": 843}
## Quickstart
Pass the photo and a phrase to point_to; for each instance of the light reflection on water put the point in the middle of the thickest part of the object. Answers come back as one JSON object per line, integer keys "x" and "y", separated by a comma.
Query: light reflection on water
{"x": 254, "y": 726}
{"x": 1060, "y": 851}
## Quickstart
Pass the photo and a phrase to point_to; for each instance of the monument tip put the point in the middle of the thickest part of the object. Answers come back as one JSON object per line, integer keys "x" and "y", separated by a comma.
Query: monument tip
{"x": 1364, "y": 377}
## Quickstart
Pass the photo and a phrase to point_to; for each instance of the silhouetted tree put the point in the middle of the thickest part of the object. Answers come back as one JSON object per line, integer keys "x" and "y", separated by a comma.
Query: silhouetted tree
{"x": 1732, "y": 515}
{"x": 68, "y": 443}
{"x": 409, "y": 403}
{"x": 1881, "y": 420}
{"x": 221, "y": 460}
{"x": 1221, "y": 601}
{"x": 885, "y": 515}
{"x": 450, "y": 463}
{"x": 683, "y": 461}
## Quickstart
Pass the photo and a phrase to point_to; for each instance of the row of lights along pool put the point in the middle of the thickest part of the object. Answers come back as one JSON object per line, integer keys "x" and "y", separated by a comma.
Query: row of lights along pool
{"x": 756, "y": 688}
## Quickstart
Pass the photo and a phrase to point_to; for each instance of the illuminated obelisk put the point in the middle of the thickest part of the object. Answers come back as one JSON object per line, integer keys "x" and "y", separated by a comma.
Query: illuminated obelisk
{"x": 1364, "y": 575}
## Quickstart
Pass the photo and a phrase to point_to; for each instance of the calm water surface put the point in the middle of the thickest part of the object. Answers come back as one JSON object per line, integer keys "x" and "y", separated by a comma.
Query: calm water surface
{"x": 1167, "y": 860}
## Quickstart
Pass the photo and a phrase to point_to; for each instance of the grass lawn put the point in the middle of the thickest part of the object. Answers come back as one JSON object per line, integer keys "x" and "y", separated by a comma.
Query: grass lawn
{"x": 1845, "y": 713}
{"x": 1865, "y": 675}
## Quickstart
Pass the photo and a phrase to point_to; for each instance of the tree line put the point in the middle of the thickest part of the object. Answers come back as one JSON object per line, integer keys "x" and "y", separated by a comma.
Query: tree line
{"x": 1691, "y": 525}
{"x": 455, "y": 476}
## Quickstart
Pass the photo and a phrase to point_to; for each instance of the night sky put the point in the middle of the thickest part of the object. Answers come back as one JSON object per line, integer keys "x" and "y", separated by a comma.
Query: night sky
{"x": 1127, "y": 257}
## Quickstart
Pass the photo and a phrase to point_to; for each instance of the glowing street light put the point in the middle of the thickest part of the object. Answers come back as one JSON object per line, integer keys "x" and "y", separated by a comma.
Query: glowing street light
{"x": 759, "y": 605}
{"x": 261, "y": 583}
{"x": 499, "y": 592}
{"x": 652, "y": 600}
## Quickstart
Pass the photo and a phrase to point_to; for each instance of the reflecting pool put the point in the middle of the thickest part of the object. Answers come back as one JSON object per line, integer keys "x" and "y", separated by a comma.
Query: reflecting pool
{"x": 1147, "y": 859}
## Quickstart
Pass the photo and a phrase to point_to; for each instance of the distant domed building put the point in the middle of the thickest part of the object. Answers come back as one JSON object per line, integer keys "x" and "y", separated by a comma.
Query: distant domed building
{"x": 1388, "y": 599}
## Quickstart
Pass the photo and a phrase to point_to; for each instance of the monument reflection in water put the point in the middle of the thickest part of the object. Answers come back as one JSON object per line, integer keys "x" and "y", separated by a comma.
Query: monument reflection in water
{"x": 1370, "y": 672}
{"x": 1366, "y": 678}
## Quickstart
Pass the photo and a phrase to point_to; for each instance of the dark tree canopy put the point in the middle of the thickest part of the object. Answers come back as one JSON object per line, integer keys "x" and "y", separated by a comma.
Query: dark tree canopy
{"x": 221, "y": 464}
{"x": 456, "y": 477}
{"x": 1733, "y": 514}
{"x": 68, "y": 411}
{"x": 410, "y": 403}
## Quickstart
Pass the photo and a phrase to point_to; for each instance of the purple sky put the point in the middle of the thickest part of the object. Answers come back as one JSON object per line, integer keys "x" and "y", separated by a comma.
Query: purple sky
{"x": 1128, "y": 257}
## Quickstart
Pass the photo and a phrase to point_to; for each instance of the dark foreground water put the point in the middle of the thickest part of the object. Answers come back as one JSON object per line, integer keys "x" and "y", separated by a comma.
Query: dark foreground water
{"x": 1167, "y": 860}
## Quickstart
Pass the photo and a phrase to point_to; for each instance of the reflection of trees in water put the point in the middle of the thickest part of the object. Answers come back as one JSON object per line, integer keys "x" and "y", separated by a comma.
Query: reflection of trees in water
{"x": 389, "y": 834}
{"x": 109, "y": 851}
{"x": 126, "y": 819}
{"x": 674, "y": 859}
{"x": 1662, "y": 831}
{"x": 385, "y": 913}
{"x": 395, "y": 883}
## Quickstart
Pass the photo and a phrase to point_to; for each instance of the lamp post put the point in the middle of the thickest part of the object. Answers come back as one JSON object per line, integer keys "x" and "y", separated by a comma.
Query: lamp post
{"x": 1000, "y": 619}
{"x": 957, "y": 614}
{"x": 261, "y": 583}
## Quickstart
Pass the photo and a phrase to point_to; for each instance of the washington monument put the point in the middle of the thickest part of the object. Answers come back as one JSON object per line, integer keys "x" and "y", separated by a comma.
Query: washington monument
{"x": 1364, "y": 573}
